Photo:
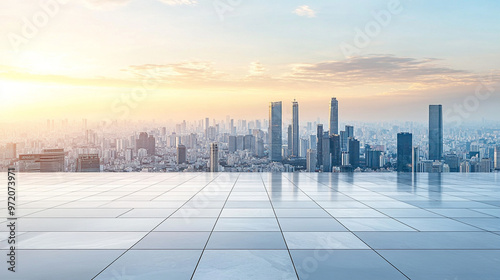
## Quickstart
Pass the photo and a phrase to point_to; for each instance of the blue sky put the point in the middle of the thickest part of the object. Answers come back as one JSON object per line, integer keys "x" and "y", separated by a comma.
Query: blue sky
{"x": 260, "y": 51}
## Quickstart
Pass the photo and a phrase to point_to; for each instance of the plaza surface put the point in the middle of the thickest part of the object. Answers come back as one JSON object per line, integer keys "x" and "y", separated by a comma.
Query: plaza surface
{"x": 254, "y": 226}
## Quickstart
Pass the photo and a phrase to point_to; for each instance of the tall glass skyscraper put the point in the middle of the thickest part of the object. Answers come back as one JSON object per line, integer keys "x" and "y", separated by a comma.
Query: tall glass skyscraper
{"x": 295, "y": 129}
{"x": 334, "y": 116}
{"x": 214, "y": 157}
{"x": 319, "y": 145}
{"x": 435, "y": 132}
{"x": 275, "y": 131}
{"x": 404, "y": 152}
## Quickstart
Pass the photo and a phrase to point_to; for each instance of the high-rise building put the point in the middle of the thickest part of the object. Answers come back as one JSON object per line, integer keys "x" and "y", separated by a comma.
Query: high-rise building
{"x": 275, "y": 131}
{"x": 416, "y": 159}
{"x": 232, "y": 143}
{"x": 319, "y": 145}
{"x": 207, "y": 124}
{"x": 453, "y": 162}
{"x": 88, "y": 163}
{"x": 214, "y": 157}
{"x": 354, "y": 152}
{"x": 249, "y": 143}
{"x": 405, "y": 147}
{"x": 289, "y": 140}
{"x": 435, "y": 132}
{"x": 181, "y": 154}
{"x": 146, "y": 142}
{"x": 349, "y": 130}
{"x": 295, "y": 129}
{"x": 311, "y": 160}
{"x": 335, "y": 150}
{"x": 326, "y": 160}
{"x": 343, "y": 141}
{"x": 304, "y": 145}
{"x": 334, "y": 116}
{"x": 497, "y": 157}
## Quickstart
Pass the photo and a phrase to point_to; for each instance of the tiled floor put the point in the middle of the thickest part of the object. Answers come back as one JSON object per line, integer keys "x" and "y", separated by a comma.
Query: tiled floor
{"x": 255, "y": 226}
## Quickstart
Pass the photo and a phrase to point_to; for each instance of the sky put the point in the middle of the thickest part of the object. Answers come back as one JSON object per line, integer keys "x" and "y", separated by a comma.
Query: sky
{"x": 190, "y": 59}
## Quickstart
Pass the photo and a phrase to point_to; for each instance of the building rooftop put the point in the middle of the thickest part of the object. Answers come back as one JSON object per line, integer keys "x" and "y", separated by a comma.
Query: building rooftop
{"x": 255, "y": 226}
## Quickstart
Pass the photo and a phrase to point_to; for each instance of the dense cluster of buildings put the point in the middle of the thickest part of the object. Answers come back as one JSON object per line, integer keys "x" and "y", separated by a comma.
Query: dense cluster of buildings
{"x": 266, "y": 145}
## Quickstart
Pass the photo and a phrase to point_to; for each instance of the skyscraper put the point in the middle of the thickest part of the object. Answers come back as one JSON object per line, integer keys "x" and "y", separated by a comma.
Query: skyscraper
{"x": 497, "y": 157}
{"x": 354, "y": 152}
{"x": 181, "y": 154}
{"x": 335, "y": 150}
{"x": 405, "y": 147}
{"x": 311, "y": 160}
{"x": 319, "y": 145}
{"x": 349, "y": 130}
{"x": 295, "y": 129}
{"x": 326, "y": 160}
{"x": 275, "y": 131}
{"x": 334, "y": 116}
{"x": 289, "y": 140}
{"x": 435, "y": 132}
{"x": 214, "y": 157}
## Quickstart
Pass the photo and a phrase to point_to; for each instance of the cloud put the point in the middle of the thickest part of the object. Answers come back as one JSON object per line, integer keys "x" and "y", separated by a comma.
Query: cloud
{"x": 379, "y": 69}
{"x": 177, "y": 72}
{"x": 305, "y": 11}
{"x": 257, "y": 69}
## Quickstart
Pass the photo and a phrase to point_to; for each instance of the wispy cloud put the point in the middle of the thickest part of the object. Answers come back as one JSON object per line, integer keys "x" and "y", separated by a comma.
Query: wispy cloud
{"x": 304, "y": 11}
{"x": 379, "y": 69}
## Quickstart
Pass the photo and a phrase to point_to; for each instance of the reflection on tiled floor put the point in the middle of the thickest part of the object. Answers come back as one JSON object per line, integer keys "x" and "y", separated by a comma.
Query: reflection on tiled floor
{"x": 255, "y": 226}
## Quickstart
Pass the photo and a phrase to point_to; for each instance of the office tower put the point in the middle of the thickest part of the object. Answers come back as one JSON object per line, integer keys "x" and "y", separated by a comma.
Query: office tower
{"x": 275, "y": 131}
{"x": 181, "y": 154}
{"x": 435, "y": 132}
{"x": 334, "y": 116}
{"x": 416, "y": 158}
{"x": 453, "y": 162}
{"x": 304, "y": 145}
{"x": 312, "y": 142}
{"x": 289, "y": 140}
{"x": 349, "y": 130}
{"x": 343, "y": 141}
{"x": 319, "y": 145}
{"x": 497, "y": 157}
{"x": 232, "y": 144}
{"x": 207, "y": 124}
{"x": 249, "y": 143}
{"x": 88, "y": 163}
{"x": 240, "y": 142}
{"x": 260, "y": 148}
{"x": 335, "y": 150}
{"x": 145, "y": 142}
{"x": 295, "y": 129}
{"x": 10, "y": 151}
{"x": 326, "y": 160}
{"x": 354, "y": 152}
{"x": 214, "y": 157}
{"x": 345, "y": 158}
{"x": 404, "y": 159}
{"x": 311, "y": 160}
